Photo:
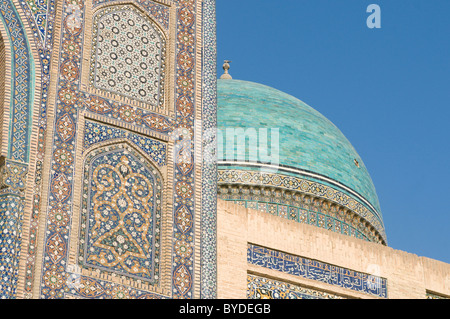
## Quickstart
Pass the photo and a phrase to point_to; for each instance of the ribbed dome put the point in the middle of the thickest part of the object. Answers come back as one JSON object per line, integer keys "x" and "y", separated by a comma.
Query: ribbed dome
{"x": 308, "y": 142}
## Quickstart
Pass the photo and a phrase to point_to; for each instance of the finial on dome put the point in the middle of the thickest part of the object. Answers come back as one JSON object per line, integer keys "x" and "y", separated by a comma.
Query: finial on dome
{"x": 226, "y": 67}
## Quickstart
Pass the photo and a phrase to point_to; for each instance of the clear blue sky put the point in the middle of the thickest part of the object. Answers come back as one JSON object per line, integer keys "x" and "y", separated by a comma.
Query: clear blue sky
{"x": 387, "y": 90}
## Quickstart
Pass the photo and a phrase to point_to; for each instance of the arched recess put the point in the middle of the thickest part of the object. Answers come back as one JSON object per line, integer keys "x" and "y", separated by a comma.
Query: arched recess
{"x": 121, "y": 214}
{"x": 17, "y": 100}
{"x": 128, "y": 56}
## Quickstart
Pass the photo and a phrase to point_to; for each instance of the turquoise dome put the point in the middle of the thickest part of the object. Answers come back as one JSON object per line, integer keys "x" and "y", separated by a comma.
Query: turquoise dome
{"x": 309, "y": 143}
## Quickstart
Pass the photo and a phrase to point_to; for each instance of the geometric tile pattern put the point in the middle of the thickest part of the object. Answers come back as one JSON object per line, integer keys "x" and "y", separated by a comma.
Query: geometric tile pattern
{"x": 309, "y": 214}
{"x": 209, "y": 158}
{"x": 307, "y": 141}
{"x": 131, "y": 115}
{"x": 12, "y": 176}
{"x": 316, "y": 270}
{"x": 96, "y": 133}
{"x": 83, "y": 287}
{"x": 22, "y": 88}
{"x": 40, "y": 15}
{"x": 121, "y": 214}
{"x": 41, "y": 21}
{"x": 39, "y": 12}
{"x": 264, "y": 288}
{"x": 128, "y": 54}
{"x": 183, "y": 275}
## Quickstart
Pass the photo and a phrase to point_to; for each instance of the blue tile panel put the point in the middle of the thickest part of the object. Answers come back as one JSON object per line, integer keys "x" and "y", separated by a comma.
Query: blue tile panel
{"x": 96, "y": 133}
{"x": 208, "y": 259}
{"x": 22, "y": 86}
{"x": 265, "y": 288}
{"x": 306, "y": 216}
{"x": 307, "y": 140}
{"x": 316, "y": 270}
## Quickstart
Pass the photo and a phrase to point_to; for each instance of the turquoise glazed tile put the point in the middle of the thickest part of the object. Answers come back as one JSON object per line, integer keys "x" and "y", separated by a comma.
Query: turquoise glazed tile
{"x": 307, "y": 140}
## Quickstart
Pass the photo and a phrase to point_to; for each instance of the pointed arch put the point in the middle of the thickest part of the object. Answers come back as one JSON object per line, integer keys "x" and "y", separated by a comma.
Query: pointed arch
{"x": 128, "y": 54}
{"x": 17, "y": 72}
{"x": 121, "y": 213}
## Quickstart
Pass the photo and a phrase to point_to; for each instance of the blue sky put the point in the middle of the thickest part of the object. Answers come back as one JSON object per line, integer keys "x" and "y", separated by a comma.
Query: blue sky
{"x": 387, "y": 90}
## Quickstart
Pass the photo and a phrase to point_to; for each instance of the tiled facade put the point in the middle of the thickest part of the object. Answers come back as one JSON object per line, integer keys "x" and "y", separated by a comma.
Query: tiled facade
{"x": 289, "y": 165}
{"x": 109, "y": 183}
{"x": 302, "y": 203}
{"x": 120, "y": 229}
{"x": 316, "y": 270}
{"x": 307, "y": 141}
{"x": 343, "y": 222}
{"x": 130, "y": 125}
{"x": 265, "y": 288}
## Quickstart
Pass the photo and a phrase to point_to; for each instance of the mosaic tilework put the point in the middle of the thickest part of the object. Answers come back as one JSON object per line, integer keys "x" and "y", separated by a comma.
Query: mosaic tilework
{"x": 22, "y": 86}
{"x": 82, "y": 287}
{"x": 316, "y": 270}
{"x": 71, "y": 284}
{"x": 53, "y": 276}
{"x": 12, "y": 176}
{"x": 69, "y": 100}
{"x": 128, "y": 55}
{"x": 431, "y": 295}
{"x": 41, "y": 17}
{"x": 96, "y": 133}
{"x": 209, "y": 160}
{"x": 129, "y": 114}
{"x": 264, "y": 288}
{"x": 336, "y": 221}
{"x": 183, "y": 276}
{"x": 121, "y": 215}
{"x": 11, "y": 209}
{"x": 156, "y": 10}
{"x": 39, "y": 12}
{"x": 41, "y": 21}
{"x": 45, "y": 48}
{"x": 245, "y": 177}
